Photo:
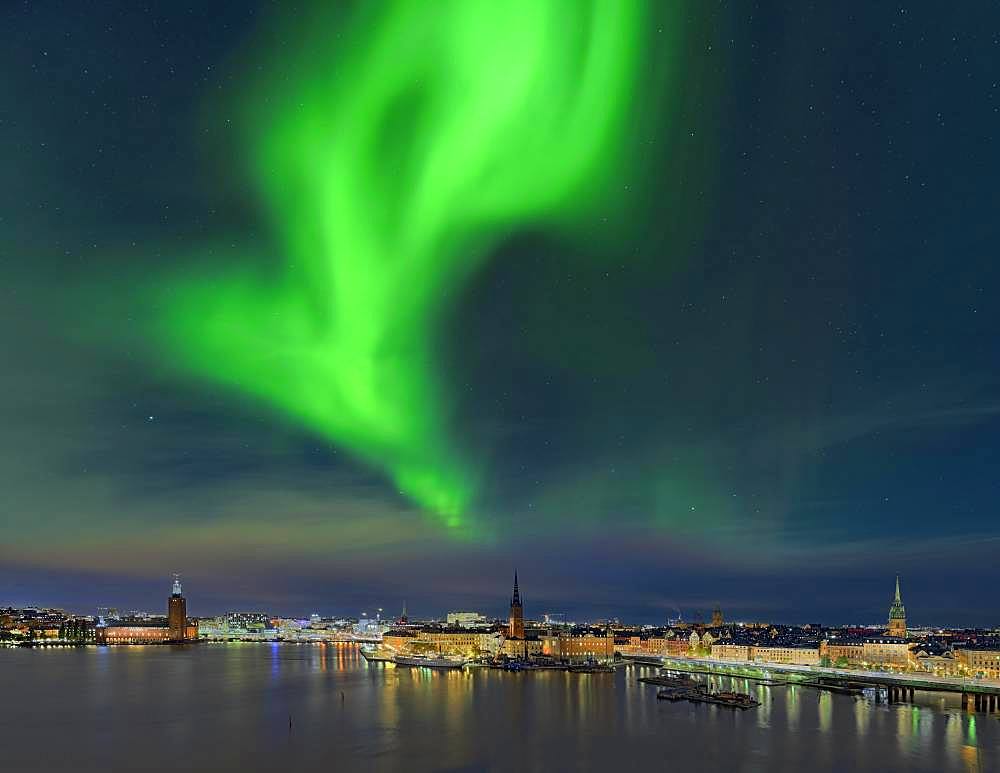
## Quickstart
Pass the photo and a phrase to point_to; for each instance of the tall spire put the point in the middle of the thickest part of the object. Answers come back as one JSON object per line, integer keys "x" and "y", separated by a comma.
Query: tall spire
{"x": 897, "y": 615}
{"x": 516, "y": 630}
{"x": 177, "y": 586}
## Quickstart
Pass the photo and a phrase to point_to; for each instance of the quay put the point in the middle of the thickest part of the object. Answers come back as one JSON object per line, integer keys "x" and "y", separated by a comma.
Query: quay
{"x": 976, "y": 695}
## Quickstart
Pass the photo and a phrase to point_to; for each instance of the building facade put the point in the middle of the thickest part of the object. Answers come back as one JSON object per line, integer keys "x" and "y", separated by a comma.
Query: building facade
{"x": 887, "y": 651}
{"x": 79, "y": 629}
{"x": 466, "y": 619}
{"x": 844, "y": 652}
{"x": 736, "y": 652}
{"x": 582, "y": 645}
{"x": 398, "y": 640}
{"x": 134, "y": 634}
{"x": 792, "y": 656}
{"x": 522, "y": 648}
{"x": 985, "y": 662}
{"x": 447, "y": 641}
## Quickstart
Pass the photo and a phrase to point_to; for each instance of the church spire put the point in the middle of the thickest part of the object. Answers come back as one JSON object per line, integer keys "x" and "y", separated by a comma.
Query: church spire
{"x": 897, "y": 615}
{"x": 516, "y": 629}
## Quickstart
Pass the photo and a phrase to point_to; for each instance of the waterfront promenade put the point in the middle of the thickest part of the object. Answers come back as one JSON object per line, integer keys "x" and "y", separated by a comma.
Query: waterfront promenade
{"x": 917, "y": 681}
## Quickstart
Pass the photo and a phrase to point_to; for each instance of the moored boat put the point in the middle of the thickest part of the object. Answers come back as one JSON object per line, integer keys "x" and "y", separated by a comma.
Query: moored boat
{"x": 424, "y": 661}
{"x": 376, "y": 655}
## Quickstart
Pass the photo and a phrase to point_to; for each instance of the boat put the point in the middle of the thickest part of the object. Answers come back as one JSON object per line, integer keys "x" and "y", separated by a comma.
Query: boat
{"x": 425, "y": 661}
{"x": 701, "y": 694}
{"x": 376, "y": 655}
{"x": 737, "y": 700}
{"x": 591, "y": 668}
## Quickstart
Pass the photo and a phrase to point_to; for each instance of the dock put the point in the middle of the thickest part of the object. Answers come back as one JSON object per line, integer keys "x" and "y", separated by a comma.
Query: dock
{"x": 701, "y": 694}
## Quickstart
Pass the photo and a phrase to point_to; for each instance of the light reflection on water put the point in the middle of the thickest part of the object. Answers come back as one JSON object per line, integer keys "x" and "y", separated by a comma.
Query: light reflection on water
{"x": 228, "y": 708}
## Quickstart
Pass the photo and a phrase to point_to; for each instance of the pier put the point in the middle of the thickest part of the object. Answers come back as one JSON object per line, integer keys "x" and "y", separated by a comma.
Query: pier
{"x": 976, "y": 695}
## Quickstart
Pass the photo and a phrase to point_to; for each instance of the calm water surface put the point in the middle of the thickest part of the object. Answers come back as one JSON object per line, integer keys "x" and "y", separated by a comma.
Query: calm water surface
{"x": 226, "y": 708}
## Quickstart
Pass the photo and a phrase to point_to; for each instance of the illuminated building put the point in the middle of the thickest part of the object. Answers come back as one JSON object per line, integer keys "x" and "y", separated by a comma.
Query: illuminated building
{"x": 458, "y": 641}
{"x": 443, "y": 640}
{"x": 739, "y": 652}
{"x": 675, "y": 646}
{"x": 985, "y": 662}
{"x": 516, "y": 630}
{"x": 795, "y": 656}
{"x": 523, "y": 648}
{"x": 887, "y": 650}
{"x": 897, "y": 616}
{"x": 653, "y": 646}
{"x": 78, "y": 629}
{"x": 466, "y": 619}
{"x": 133, "y": 634}
{"x": 491, "y": 643}
{"x": 580, "y": 644}
{"x": 238, "y": 626}
{"x": 878, "y": 650}
{"x": 248, "y": 620}
{"x": 942, "y": 665}
{"x": 398, "y": 639}
{"x": 174, "y": 628}
{"x": 717, "y": 617}
{"x": 843, "y": 652}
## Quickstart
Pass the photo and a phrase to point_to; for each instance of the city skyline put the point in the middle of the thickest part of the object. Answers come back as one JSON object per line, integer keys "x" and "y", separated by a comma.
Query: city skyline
{"x": 697, "y": 616}
{"x": 739, "y": 347}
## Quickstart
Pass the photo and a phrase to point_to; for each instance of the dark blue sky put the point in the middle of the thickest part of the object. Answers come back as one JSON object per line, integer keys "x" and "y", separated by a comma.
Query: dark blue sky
{"x": 780, "y": 392}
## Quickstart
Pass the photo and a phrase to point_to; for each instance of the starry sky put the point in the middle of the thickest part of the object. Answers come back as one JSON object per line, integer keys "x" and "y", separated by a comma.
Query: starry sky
{"x": 329, "y": 309}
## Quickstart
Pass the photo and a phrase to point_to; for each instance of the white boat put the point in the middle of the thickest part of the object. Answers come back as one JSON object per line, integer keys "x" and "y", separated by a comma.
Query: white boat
{"x": 376, "y": 654}
{"x": 423, "y": 661}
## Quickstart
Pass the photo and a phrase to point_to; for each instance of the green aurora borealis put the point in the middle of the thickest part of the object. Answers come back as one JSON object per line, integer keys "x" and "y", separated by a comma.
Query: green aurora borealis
{"x": 349, "y": 302}
{"x": 392, "y": 162}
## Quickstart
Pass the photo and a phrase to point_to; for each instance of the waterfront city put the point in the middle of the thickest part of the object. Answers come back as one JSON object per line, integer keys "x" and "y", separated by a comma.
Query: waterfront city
{"x": 886, "y": 661}
{"x": 459, "y": 386}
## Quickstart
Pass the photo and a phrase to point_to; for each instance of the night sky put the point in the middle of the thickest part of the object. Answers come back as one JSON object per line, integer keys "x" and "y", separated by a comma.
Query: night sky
{"x": 298, "y": 306}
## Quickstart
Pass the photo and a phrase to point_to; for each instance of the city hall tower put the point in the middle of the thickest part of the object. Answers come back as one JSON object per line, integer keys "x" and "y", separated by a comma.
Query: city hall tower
{"x": 177, "y": 612}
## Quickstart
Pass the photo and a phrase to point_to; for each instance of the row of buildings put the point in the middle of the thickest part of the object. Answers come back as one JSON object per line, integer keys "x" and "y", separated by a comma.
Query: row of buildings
{"x": 471, "y": 635}
{"x": 958, "y": 653}
{"x": 941, "y": 652}
{"x": 944, "y": 652}
{"x": 50, "y": 626}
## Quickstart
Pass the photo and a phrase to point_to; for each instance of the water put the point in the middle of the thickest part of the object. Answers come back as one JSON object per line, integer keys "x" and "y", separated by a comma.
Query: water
{"x": 226, "y": 708}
